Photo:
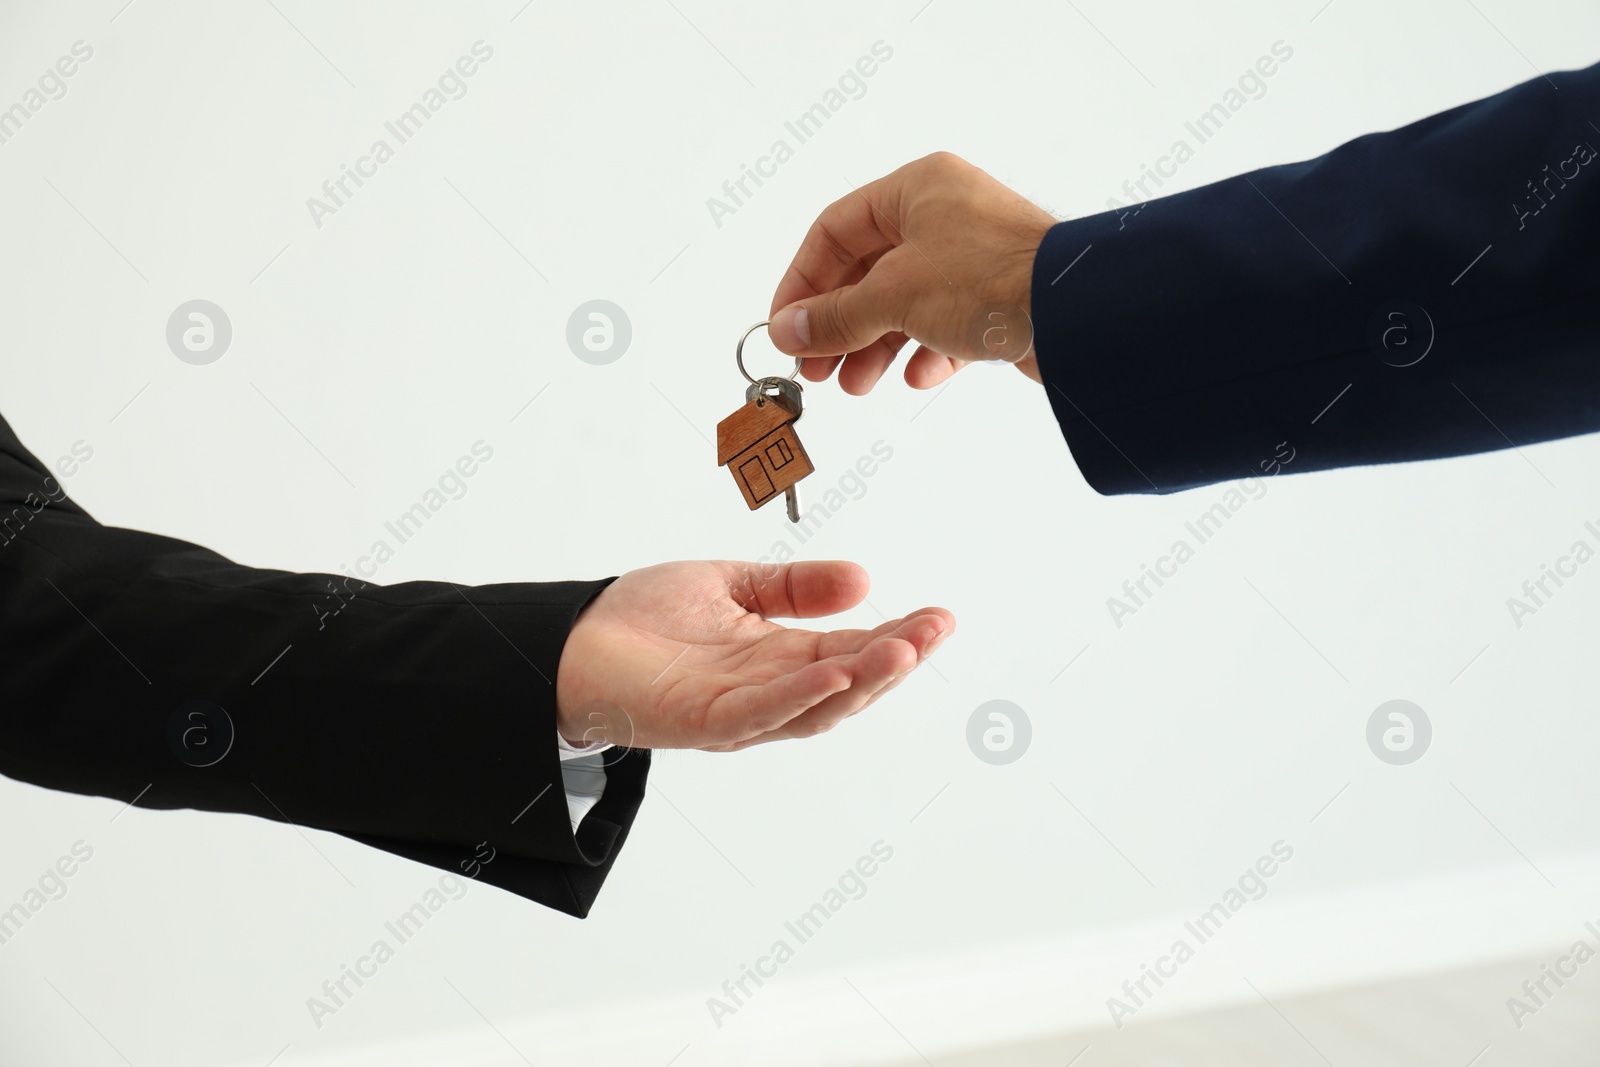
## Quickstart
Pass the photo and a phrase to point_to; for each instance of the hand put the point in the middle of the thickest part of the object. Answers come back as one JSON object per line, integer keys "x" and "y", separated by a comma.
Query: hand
{"x": 938, "y": 252}
{"x": 682, "y": 655}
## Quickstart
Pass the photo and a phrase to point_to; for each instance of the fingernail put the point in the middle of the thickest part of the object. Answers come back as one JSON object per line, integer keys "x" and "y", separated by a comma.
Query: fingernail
{"x": 933, "y": 646}
{"x": 791, "y": 330}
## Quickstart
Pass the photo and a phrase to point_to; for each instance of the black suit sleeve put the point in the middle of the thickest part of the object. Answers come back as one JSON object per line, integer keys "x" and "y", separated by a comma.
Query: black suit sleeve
{"x": 1199, "y": 331}
{"x": 419, "y": 718}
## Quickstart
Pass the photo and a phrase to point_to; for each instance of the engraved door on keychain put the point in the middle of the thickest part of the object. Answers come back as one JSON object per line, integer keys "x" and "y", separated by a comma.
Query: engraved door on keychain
{"x": 758, "y": 443}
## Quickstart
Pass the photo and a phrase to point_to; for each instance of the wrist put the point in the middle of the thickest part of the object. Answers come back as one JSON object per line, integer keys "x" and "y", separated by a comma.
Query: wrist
{"x": 579, "y": 718}
{"x": 575, "y": 701}
{"x": 592, "y": 677}
{"x": 1006, "y": 323}
{"x": 1029, "y": 365}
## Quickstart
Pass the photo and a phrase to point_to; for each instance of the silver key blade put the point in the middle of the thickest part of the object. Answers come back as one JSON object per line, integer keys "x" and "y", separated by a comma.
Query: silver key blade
{"x": 792, "y": 499}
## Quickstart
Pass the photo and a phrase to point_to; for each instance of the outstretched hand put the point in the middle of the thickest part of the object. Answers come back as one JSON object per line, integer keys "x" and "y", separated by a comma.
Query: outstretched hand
{"x": 684, "y": 655}
{"x": 937, "y": 252}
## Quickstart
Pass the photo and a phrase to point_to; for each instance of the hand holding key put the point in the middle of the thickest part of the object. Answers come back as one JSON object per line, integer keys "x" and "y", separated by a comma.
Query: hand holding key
{"x": 938, "y": 252}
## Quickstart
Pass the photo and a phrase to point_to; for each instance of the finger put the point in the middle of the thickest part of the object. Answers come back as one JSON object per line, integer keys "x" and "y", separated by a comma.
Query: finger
{"x": 846, "y": 318}
{"x": 819, "y": 368}
{"x": 927, "y": 368}
{"x": 841, "y": 271}
{"x": 817, "y": 721}
{"x": 870, "y": 670}
{"x": 807, "y": 589}
{"x": 873, "y": 671}
{"x": 863, "y": 369}
{"x": 879, "y": 668}
{"x": 923, "y": 629}
{"x": 890, "y": 343}
{"x": 849, "y": 230}
{"x": 897, "y": 340}
{"x": 753, "y": 710}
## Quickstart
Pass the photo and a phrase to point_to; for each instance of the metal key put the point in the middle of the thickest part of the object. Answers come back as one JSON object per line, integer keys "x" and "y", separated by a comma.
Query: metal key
{"x": 785, "y": 391}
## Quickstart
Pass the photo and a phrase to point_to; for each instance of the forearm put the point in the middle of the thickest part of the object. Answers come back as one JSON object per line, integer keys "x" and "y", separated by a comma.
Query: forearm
{"x": 1197, "y": 333}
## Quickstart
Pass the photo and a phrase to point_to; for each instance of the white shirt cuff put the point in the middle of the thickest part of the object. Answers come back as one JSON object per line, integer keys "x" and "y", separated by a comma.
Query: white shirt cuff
{"x": 583, "y": 774}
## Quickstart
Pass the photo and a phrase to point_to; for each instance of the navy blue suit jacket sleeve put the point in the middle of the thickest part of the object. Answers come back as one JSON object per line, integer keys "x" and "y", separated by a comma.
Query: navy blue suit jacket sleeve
{"x": 1431, "y": 291}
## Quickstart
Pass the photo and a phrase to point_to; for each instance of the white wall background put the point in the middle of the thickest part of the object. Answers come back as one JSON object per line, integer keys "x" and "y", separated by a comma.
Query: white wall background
{"x": 426, "y": 313}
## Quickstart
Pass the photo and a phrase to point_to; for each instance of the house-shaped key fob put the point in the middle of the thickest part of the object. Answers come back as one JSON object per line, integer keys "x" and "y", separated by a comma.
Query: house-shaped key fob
{"x": 758, "y": 444}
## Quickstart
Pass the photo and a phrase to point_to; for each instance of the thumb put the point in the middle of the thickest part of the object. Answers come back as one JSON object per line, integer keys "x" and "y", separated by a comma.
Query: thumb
{"x": 846, "y": 319}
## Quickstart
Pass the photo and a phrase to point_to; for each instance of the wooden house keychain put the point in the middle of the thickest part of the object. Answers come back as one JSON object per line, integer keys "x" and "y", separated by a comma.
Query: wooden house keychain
{"x": 758, "y": 444}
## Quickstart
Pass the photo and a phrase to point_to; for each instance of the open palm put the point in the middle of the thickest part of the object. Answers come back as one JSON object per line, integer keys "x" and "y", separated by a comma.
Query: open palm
{"x": 683, "y": 655}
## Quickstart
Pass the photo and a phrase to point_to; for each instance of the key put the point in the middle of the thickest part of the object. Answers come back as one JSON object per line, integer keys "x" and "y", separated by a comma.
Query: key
{"x": 789, "y": 394}
{"x": 760, "y": 448}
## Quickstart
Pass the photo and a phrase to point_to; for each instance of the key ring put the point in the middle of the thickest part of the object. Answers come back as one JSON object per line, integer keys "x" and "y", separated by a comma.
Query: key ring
{"x": 738, "y": 354}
